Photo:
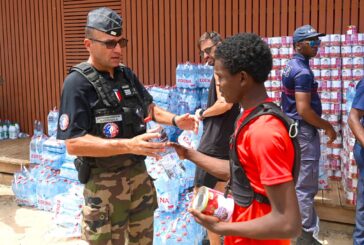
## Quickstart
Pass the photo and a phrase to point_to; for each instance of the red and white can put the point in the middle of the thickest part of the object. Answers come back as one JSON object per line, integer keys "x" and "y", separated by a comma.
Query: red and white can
{"x": 315, "y": 63}
{"x": 334, "y": 51}
{"x": 357, "y": 74}
{"x": 275, "y": 53}
{"x": 276, "y": 63}
{"x": 351, "y": 30}
{"x": 346, "y": 51}
{"x": 346, "y": 74}
{"x": 325, "y": 74}
{"x": 361, "y": 38}
{"x": 335, "y": 74}
{"x": 358, "y": 62}
{"x": 357, "y": 51}
{"x": 325, "y": 63}
{"x": 335, "y": 39}
{"x": 212, "y": 202}
{"x": 284, "y": 53}
{"x": 347, "y": 62}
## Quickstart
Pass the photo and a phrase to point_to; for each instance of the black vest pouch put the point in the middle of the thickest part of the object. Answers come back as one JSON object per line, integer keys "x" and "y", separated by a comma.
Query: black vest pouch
{"x": 134, "y": 121}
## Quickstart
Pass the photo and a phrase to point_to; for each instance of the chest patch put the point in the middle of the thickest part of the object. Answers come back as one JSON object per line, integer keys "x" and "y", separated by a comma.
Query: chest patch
{"x": 109, "y": 119}
{"x": 111, "y": 130}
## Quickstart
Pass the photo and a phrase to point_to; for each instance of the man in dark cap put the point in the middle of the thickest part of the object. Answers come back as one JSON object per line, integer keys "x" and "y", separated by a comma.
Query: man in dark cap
{"x": 103, "y": 107}
{"x": 301, "y": 102}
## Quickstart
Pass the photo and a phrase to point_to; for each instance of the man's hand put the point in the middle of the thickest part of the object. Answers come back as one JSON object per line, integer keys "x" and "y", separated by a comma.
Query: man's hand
{"x": 181, "y": 150}
{"x": 187, "y": 122}
{"x": 330, "y": 132}
{"x": 140, "y": 145}
{"x": 211, "y": 223}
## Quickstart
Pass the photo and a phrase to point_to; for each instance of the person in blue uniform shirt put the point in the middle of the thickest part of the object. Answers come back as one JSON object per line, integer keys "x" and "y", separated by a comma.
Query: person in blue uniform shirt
{"x": 301, "y": 102}
{"x": 356, "y": 123}
{"x": 103, "y": 107}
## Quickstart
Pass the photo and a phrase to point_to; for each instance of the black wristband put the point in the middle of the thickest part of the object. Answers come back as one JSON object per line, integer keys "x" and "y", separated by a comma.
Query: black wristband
{"x": 201, "y": 113}
{"x": 174, "y": 121}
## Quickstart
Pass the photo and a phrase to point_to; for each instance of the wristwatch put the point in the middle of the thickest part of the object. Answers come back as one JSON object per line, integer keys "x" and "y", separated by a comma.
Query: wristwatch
{"x": 201, "y": 113}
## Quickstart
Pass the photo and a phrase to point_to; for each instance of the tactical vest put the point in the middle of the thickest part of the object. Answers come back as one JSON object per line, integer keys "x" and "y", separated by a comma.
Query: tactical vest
{"x": 239, "y": 183}
{"x": 117, "y": 114}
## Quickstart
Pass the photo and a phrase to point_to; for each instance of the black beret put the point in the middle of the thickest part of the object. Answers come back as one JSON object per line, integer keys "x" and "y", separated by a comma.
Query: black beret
{"x": 105, "y": 20}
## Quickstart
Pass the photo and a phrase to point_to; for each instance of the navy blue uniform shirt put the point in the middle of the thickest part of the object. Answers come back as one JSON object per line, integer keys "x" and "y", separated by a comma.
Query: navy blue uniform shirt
{"x": 358, "y": 102}
{"x": 298, "y": 77}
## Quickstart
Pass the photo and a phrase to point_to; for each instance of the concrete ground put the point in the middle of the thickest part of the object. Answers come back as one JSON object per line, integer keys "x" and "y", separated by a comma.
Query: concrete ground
{"x": 27, "y": 226}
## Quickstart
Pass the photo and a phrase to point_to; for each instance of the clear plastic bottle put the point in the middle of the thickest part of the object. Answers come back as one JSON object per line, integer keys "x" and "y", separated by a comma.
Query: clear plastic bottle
{"x": 1, "y": 131}
{"x": 52, "y": 122}
{"x": 5, "y": 131}
{"x": 12, "y": 132}
{"x": 154, "y": 127}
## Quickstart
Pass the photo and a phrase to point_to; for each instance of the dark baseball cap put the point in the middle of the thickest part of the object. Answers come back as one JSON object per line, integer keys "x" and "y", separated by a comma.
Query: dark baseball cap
{"x": 105, "y": 20}
{"x": 305, "y": 32}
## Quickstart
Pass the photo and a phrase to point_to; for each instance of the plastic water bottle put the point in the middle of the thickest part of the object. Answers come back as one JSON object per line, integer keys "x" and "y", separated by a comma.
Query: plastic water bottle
{"x": 204, "y": 97}
{"x": 1, "y": 132}
{"x": 154, "y": 127}
{"x": 17, "y": 129}
{"x": 5, "y": 131}
{"x": 183, "y": 108}
{"x": 12, "y": 132}
{"x": 52, "y": 122}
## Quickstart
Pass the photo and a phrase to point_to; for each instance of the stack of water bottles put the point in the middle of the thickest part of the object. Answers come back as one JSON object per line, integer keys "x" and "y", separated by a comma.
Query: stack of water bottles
{"x": 49, "y": 184}
{"x": 68, "y": 170}
{"x": 67, "y": 211}
{"x": 193, "y": 81}
{"x": 173, "y": 182}
{"x": 10, "y": 130}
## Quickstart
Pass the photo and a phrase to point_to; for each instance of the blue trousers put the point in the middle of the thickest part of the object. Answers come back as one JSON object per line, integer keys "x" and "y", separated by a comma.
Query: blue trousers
{"x": 358, "y": 235}
{"x": 307, "y": 183}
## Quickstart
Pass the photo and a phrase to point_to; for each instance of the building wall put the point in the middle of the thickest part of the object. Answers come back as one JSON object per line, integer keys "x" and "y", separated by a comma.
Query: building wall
{"x": 41, "y": 39}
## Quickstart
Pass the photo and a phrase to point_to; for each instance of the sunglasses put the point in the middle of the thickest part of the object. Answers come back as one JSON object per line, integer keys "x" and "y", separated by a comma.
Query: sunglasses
{"x": 110, "y": 44}
{"x": 207, "y": 50}
{"x": 313, "y": 43}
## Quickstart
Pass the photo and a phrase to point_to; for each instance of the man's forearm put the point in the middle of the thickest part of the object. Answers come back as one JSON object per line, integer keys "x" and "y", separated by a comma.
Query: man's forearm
{"x": 355, "y": 125}
{"x": 214, "y": 166}
{"x": 92, "y": 146}
{"x": 218, "y": 108}
{"x": 310, "y": 116}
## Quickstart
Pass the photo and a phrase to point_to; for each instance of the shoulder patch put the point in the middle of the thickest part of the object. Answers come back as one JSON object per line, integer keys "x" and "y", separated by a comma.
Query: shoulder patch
{"x": 64, "y": 122}
{"x": 287, "y": 70}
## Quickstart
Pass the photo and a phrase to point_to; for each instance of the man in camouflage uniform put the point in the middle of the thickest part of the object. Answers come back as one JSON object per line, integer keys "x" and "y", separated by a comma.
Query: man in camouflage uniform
{"x": 103, "y": 107}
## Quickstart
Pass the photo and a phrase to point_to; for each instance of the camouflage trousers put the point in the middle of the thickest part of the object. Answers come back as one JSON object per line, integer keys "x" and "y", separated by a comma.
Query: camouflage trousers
{"x": 119, "y": 207}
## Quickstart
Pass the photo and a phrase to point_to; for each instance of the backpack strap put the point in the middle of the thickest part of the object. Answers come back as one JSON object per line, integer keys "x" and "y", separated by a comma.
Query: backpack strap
{"x": 103, "y": 89}
{"x": 269, "y": 108}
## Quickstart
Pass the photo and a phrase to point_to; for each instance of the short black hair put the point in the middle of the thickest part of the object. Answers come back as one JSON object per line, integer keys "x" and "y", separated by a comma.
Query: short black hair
{"x": 246, "y": 52}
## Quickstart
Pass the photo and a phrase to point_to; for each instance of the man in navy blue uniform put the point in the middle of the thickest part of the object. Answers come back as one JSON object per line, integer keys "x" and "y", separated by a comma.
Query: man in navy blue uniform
{"x": 301, "y": 102}
{"x": 356, "y": 123}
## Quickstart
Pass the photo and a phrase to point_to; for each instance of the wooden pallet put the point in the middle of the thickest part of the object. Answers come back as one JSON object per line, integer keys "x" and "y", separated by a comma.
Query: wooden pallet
{"x": 13, "y": 155}
{"x": 331, "y": 204}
